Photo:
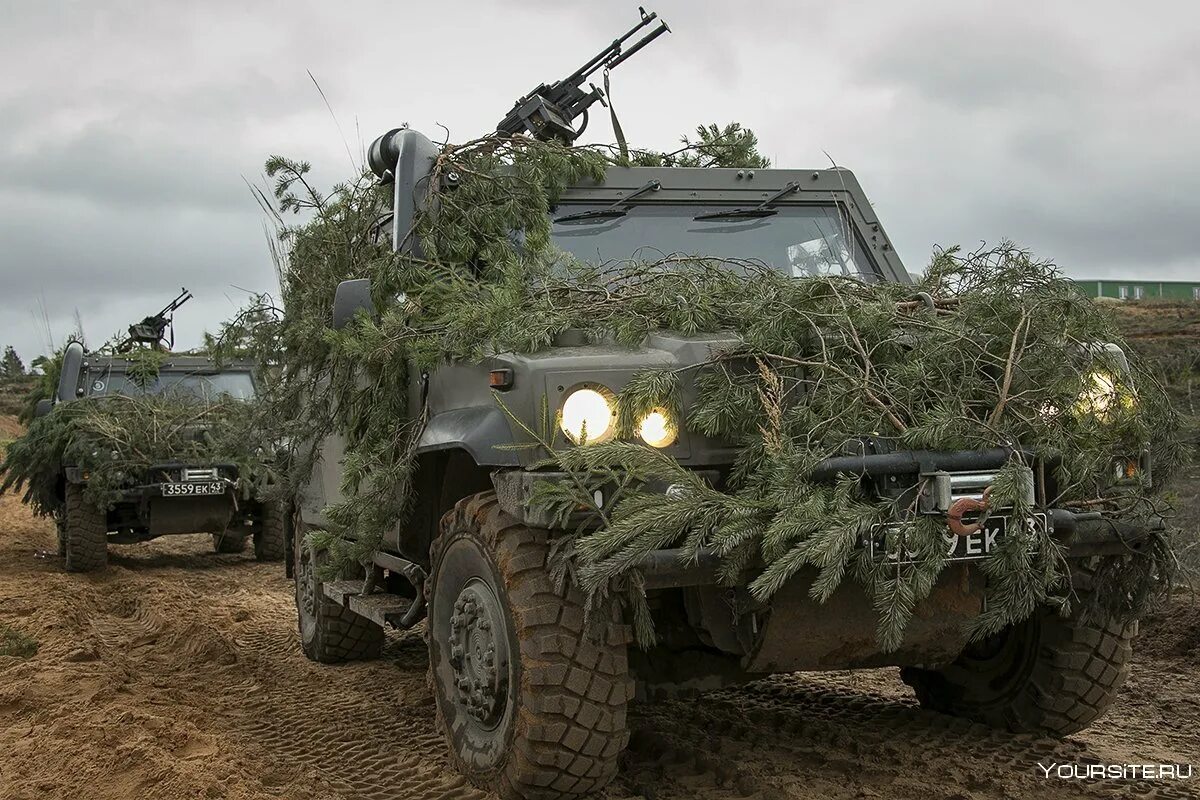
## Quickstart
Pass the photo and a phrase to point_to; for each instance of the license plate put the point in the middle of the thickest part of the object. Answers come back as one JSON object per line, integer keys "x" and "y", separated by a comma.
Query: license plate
{"x": 971, "y": 547}
{"x": 193, "y": 488}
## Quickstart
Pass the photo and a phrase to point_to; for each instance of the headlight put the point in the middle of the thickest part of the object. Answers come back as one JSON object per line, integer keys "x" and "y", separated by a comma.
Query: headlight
{"x": 657, "y": 429}
{"x": 589, "y": 412}
{"x": 1102, "y": 395}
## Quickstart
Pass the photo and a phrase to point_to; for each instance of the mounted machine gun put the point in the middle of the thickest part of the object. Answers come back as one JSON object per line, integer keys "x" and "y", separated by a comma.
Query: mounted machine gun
{"x": 548, "y": 112}
{"x": 153, "y": 329}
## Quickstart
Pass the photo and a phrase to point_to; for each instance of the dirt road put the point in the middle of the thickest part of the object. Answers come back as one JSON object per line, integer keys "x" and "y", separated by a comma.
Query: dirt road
{"x": 176, "y": 674}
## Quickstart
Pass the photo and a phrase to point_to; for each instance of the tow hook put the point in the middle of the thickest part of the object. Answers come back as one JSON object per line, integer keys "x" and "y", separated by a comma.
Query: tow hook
{"x": 968, "y": 505}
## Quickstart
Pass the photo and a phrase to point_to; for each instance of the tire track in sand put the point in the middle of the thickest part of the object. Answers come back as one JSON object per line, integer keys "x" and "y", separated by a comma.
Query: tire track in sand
{"x": 366, "y": 728}
{"x": 806, "y": 736}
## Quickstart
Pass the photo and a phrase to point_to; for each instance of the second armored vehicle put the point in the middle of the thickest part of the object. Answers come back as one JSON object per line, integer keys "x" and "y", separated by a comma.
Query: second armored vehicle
{"x": 173, "y": 496}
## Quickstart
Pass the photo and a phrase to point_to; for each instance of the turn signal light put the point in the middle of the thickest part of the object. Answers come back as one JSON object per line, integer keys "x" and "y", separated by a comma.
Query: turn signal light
{"x": 500, "y": 379}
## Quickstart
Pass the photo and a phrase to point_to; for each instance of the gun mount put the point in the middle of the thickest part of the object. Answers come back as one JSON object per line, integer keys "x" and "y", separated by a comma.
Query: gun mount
{"x": 152, "y": 330}
{"x": 548, "y": 112}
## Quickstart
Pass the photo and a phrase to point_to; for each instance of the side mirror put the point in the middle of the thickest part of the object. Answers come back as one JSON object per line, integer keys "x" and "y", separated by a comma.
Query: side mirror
{"x": 68, "y": 378}
{"x": 350, "y": 298}
{"x": 44, "y": 407}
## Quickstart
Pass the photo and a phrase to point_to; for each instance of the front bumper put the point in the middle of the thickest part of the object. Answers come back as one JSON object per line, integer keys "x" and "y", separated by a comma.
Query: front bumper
{"x": 1083, "y": 534}
{"x": 173, "y": 497}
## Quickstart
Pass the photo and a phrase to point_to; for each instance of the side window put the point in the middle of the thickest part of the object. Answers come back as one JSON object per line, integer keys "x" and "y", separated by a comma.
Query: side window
{"x": 1196, "y": 292}
{"x": 1123, "y": 292}
{"x": 1137, "y": 293}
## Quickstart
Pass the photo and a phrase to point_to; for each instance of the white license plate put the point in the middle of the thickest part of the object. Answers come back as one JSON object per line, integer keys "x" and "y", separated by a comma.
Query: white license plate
{"x": 193, "y": 488}
{"x": 971, "y": 547}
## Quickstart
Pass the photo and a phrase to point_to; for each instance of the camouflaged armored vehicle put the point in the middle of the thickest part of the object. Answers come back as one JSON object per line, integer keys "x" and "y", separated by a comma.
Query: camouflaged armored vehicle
{"x": 171, "y": 497}
{"x": 533, "y": 706}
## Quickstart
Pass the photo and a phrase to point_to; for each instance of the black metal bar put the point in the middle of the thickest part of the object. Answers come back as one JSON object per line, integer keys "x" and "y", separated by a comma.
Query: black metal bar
{"x": 909, "y": 461}
{"x": 1097, "y": 535}
{"x": 668, "y": 569}
{"x": 192, "y": 465}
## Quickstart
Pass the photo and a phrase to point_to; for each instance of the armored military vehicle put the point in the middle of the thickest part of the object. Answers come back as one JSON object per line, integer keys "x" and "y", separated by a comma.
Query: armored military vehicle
{"x": 166, "y": 498}
{"x": 531, "y": 703}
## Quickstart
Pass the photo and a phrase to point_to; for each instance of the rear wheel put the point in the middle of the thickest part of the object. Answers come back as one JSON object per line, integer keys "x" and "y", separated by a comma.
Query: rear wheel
{"x": 532, "y": 702}
{"x": 329, "y": 633}
{"x": 231, "y": 541}
{"x": 84, "y": 532}
{"x": 270, "y": 537}
{"x": 1049, "y": 674}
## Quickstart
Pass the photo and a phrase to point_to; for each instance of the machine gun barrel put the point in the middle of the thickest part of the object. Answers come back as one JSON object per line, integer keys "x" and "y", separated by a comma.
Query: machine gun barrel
{"x": 614, "y": 49}
{"x": 184, "y": 296}
{"x": 654, "y": 34}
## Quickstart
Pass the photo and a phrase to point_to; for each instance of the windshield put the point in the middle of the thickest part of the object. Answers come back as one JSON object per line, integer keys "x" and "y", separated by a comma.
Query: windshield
{"x": 201, "y": 386}
{"x": 800, "y": 240}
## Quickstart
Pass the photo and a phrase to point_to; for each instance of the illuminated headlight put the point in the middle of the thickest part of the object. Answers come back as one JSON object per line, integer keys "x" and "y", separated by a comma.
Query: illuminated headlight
{"x": 1101, "y": 396}
{"x": 589, "y": 414}
{"x": 657, "y": 429}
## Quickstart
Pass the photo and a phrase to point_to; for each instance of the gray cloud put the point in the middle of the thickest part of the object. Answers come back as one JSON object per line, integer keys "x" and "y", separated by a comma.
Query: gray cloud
{"x": 127, "y": 129}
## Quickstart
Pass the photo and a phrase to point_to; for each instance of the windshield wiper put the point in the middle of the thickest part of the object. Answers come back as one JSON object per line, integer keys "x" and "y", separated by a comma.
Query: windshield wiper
{"x": 764, "y": 209}
{"x": 617, "y": 209}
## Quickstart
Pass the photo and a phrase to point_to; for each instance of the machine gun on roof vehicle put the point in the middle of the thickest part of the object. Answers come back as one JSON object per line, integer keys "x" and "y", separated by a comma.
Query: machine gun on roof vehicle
{"x": 548, "y": 112}
{"x": 153, "y": 329}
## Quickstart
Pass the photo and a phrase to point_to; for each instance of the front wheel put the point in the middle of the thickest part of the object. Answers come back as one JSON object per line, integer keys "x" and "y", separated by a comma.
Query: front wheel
{"x": 1048, "y": 674}
{"x": 84, "y": 532}
{"x": 531, "y": 701}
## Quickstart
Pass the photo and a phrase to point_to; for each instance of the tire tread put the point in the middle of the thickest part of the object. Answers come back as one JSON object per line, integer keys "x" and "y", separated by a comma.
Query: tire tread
{"x": 270, "y": 538}
{"x": 85, "y": 532}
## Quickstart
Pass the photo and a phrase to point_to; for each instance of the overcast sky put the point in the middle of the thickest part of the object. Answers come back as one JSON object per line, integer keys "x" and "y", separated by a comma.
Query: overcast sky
{"x": 128, "y": 129}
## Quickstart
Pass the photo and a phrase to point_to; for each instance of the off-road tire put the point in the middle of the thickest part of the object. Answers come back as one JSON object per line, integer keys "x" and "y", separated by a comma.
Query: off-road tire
{"x": 231, "y": 541}
{"x": 85, "y": 532}
{"x": 563, "y": 722}
{"x": 329, "y": 633}
{"x": 270, "y": 536}
{"x": 1049, "y": 674}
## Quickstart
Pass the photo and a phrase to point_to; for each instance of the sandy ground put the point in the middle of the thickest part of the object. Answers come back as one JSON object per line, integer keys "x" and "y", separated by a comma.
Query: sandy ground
{"x": 177, "y": 674}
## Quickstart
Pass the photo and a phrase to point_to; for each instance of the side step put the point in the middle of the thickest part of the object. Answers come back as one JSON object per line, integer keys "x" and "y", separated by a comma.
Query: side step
{"x": 381, "y": 608}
